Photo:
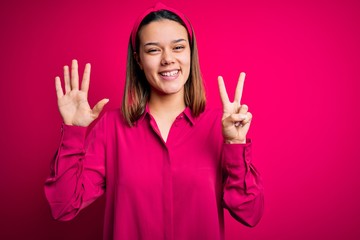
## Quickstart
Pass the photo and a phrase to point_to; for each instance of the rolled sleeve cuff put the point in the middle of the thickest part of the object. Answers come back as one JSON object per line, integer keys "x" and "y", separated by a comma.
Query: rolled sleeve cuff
{"x": 237, "y": 154}
{"x": 73, "y": 136}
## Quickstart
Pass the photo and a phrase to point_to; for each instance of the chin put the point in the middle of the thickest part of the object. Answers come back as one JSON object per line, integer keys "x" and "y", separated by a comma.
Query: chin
{"x": 170, "y": 91}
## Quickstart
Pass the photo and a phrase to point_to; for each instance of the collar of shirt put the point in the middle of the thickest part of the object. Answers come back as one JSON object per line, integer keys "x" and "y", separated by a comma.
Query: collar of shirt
{"x": 187, "y": 113}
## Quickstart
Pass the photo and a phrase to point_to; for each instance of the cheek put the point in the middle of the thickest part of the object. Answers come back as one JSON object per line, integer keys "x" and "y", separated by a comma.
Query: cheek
{"x": 150, "y": 64}
{"x": 185, "y": 60}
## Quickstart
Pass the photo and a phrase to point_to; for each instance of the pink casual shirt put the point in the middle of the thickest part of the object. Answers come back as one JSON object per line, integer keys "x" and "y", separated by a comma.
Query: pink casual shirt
{"x": 154, "y": 189}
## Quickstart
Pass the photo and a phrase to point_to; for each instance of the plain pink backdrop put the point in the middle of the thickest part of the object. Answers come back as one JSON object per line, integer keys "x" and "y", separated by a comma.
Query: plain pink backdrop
{"x": 302, "y": 65}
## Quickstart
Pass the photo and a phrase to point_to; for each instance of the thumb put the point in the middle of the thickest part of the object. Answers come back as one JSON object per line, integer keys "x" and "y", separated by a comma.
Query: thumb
{"x": 99, "y": 107}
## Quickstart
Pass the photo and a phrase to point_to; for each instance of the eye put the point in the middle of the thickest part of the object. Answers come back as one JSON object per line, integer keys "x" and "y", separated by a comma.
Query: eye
{"x": 152, "y": 50}
{"x": 179, "y": 48}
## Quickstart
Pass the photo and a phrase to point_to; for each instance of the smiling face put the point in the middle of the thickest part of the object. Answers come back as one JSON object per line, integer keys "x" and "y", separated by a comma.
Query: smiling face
{"x": 164, "y": 56}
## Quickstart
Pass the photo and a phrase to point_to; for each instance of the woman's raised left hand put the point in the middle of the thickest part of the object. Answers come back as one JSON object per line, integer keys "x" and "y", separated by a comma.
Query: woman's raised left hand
{"x": 236, "y": 118}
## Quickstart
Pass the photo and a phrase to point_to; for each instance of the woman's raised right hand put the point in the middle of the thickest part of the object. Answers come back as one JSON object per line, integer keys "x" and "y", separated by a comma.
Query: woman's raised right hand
{"x": 73, "y": 105}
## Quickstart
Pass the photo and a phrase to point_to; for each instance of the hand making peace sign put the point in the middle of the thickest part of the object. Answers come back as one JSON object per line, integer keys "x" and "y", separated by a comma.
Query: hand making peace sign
{"x": 73, "y": 105}
{"x": 236, "y": 118}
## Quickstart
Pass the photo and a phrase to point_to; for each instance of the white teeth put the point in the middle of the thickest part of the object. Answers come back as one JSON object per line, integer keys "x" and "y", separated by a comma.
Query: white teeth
{"x": 168, "y": 74}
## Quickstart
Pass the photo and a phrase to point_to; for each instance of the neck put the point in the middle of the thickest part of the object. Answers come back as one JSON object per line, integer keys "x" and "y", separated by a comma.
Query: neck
{"x": 166, "y": 105}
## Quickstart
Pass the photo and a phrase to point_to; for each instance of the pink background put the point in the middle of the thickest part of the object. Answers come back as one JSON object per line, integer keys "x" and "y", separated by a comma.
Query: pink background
{"x": 302, "y": 65}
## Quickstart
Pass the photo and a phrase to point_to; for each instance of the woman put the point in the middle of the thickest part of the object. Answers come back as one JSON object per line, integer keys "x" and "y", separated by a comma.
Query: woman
{"x": 168, "y": 165}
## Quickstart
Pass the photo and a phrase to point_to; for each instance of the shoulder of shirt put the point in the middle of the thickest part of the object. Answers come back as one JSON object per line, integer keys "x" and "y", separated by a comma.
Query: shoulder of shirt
{"x": 115, "y": 112}
{"x": 212, "y": 111}
{"x": 210, "y": 114}
{"x": 110, "y": 115}
{"x": 113, "y": 115}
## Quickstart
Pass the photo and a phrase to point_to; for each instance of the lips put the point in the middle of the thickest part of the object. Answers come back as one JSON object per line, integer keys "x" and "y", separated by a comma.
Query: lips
{"x": 170, "y": 74}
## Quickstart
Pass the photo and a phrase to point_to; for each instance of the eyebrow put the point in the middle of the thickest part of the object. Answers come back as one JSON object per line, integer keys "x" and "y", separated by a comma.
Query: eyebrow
{"x": 157, "y": 44}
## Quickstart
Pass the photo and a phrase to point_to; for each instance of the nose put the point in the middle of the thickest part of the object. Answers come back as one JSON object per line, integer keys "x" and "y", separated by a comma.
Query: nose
{"x": 167, "y": 57}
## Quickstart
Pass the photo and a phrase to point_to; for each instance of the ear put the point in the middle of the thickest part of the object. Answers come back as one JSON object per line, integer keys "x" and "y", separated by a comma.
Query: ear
{"x": 137, "y": 58}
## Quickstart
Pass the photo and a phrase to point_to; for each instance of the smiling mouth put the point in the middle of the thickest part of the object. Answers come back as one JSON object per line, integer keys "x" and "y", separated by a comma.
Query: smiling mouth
{"x": 169, "y": 74}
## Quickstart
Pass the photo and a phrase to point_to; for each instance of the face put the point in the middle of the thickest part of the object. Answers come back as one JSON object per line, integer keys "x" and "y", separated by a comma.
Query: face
{"x": 164, "y": 56}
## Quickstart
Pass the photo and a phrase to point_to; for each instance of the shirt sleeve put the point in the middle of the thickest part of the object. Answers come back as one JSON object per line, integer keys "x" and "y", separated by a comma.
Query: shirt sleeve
{"x": 243, "y": 190}
{"x": 77, "y": 175}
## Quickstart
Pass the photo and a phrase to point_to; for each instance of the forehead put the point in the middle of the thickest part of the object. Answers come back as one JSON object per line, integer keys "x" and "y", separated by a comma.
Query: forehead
{"x": 162, "y": 31}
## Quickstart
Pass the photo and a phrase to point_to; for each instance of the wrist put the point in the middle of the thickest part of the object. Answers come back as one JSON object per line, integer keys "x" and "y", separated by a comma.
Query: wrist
{"x": 68, "y": 123}
{"x": 235, "y": 141}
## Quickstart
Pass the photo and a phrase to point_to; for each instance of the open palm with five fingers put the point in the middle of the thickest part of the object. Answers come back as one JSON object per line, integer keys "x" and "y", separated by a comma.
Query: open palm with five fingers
{"x": 236, "y": 118}
{"x": 73, "y": 105}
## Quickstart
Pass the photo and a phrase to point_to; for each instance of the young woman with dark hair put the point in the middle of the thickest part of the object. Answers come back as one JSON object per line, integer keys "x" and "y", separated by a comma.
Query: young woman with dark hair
{"x": 167, "y": 164}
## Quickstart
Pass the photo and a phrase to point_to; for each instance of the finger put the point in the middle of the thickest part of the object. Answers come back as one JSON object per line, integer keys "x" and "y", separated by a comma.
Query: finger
{"x": 234, "y": 119}
{"x": 58, "y": 88}
{"x": 99, "y": 107}
{"x": 239, "y": 88}
{"x": 74, "y": 75}
{"x": 67, "y": 79}
{"x": 222, "y": 89}
{"x": 247, "y": 119}
{"x": 239, "y": 119}
{"x": 86, "y": 78}
{"x": 243, "y": 109}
